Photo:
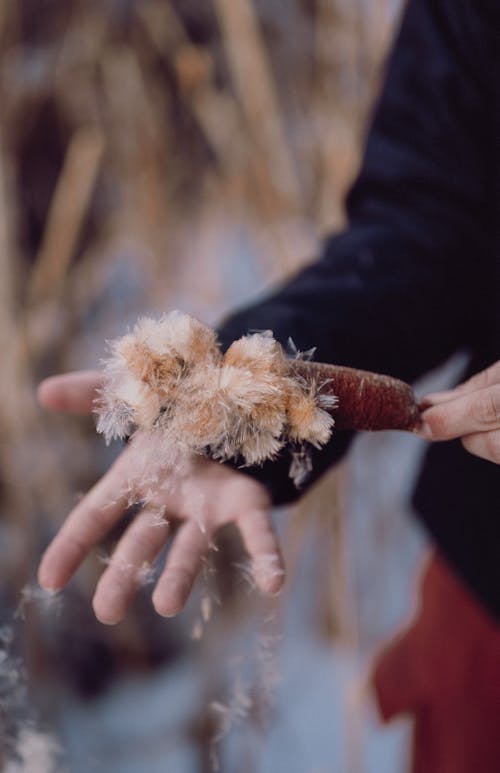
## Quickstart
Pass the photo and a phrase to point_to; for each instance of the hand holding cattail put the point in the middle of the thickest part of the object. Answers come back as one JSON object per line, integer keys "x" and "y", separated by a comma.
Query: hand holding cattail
{"x": 171, "y": 388}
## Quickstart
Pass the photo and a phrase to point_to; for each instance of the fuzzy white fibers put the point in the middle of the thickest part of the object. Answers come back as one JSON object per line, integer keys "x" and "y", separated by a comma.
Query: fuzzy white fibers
{"x": 169, "y": 378}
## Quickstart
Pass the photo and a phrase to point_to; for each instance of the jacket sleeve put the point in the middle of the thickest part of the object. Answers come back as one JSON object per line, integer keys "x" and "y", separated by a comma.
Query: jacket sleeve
{"x": 406, "y": 283}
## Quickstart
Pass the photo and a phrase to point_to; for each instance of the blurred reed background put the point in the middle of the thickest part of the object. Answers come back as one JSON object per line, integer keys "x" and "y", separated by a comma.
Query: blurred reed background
{"x": 159, "y": 154}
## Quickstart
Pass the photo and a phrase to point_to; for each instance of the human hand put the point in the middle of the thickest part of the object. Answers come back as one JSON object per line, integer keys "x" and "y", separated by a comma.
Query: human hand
{"x": 471, "y": 412}
{"x": 201, "y": 497}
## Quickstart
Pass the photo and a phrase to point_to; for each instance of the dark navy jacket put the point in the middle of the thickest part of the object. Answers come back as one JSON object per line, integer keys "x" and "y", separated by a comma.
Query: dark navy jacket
{"x": 415, "y": 276}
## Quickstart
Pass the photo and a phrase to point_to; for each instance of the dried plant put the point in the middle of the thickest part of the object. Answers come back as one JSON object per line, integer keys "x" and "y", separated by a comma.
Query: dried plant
{"x": 169, "y": 380}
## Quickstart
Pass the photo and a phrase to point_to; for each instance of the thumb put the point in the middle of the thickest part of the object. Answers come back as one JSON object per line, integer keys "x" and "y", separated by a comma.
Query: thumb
{"x": 70, "y": 392}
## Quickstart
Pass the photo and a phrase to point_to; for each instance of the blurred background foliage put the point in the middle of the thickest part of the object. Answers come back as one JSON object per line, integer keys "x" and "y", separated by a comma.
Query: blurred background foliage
{"x": 159, "y": 154}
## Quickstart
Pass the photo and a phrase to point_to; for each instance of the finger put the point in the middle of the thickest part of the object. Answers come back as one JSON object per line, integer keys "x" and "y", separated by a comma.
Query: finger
{"x": 435, "y": 398}
{"x": 262, "y": 546}
{"x": 486, "y": 445}
{"x": 183, "y": 565}
{"x": 129, "y": 565}
{"x": 486, "y": 378}
{"x": 70, "y": 392}
{"x": 87, "y": 523}
{"x": 464, "y": 415}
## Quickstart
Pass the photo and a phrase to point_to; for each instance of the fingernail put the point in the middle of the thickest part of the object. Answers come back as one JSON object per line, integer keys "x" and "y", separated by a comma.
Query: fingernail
{"x": 165, "y": 614}
{"x": 425, "y": 431}
{"x": 108, "y": 620}
{"x": 168, "y": 608}
{"x": 51, "y": 588}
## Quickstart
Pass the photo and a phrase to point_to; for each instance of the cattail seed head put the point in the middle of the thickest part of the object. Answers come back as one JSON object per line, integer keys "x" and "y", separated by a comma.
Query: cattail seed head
{"x": 168, "y": 377}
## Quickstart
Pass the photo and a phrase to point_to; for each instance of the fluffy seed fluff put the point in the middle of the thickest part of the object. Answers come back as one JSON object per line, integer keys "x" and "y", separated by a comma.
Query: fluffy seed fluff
{"x": 169, "y": 377}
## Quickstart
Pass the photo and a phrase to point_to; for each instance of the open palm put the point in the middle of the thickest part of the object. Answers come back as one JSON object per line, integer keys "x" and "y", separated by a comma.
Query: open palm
{"x": 198, "y": 500}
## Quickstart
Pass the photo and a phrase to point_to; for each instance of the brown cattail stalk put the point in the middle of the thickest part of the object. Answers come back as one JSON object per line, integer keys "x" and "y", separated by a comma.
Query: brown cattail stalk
{"x": 366, "y": 401}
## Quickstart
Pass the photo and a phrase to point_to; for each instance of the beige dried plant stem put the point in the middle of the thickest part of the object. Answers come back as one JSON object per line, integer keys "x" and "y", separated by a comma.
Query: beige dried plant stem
{"x": 68, "y": 209}
{"x": 246, "y": 155}
{"x": 254, "y": 86}
{"x": 336, "y": 602}
{"x": 15, "y": 410}
{"x": 214, "y": 110}
{"x": 30, "y": 479}
{"x": 333, "y": 107}
{"x": 21, "y": 430}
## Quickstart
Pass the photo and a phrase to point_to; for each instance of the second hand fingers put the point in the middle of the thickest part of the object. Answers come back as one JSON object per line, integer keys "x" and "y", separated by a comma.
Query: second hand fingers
{"x": 483, "y": 380}
{"x": 464, "y": 415}
{"x": 130, "y": 562}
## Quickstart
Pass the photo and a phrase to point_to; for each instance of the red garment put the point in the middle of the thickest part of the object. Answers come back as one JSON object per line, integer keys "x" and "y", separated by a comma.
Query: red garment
{"x": 444, "y": 670}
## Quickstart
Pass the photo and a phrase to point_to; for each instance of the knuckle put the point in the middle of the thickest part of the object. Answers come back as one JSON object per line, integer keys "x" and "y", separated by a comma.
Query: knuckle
{"x": 74, "y": 545}
{"x": 142, "y": 544}
{"x": 485, "y": 408}
{"x": 99, "y": 517}
{"x": 180, "y": 576}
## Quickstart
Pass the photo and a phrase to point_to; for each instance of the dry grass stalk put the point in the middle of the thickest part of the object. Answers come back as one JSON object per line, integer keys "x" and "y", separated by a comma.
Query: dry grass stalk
{"x": 254, "y": 85}
{"x": 337, "y": 600}
{"x": 22, "y": 432}
{"x": 215, "y": 111}
{"x": 250, "y": 172}
{"x": 13, "y": 382}
{"x": 67, "y": 213}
